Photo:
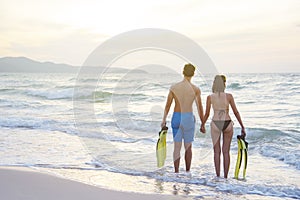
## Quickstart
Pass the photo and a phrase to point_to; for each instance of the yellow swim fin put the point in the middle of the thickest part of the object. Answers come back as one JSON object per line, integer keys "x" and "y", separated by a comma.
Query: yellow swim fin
{"x": 242, "y": 152}
{"x": 161, "y": 147}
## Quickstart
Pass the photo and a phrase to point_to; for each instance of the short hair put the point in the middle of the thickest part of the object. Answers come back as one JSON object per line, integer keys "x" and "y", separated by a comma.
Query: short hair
{"x": 189, "y": 70}
{"x": 219, "y": 84}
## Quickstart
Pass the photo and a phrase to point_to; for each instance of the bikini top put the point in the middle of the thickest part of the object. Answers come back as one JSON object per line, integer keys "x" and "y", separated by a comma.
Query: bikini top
{"x": 220, "y": 105}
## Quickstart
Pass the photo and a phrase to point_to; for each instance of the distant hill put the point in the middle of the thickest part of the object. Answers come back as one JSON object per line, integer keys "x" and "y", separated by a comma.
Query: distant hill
{"x": 23, "y": 64}
{"x": 26, "y": 65}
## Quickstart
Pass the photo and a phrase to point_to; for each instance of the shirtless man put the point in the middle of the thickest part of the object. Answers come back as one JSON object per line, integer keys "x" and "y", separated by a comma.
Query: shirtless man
{"x": 183, "y": 121}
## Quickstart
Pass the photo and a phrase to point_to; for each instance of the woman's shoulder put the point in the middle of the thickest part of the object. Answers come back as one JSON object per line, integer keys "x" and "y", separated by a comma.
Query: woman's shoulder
{"x": 222, "y": 94}
{"x": 228, "y": 95}
{"x": 217, "y": 94}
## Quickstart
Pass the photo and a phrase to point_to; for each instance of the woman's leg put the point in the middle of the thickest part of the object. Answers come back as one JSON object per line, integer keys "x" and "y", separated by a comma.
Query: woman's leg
{"x": 227, "y": 137}
{"x": 215, "y": 136}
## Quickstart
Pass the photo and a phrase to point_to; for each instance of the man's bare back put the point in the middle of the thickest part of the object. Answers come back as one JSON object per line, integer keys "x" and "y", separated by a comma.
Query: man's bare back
{"x": 184, "y": 94}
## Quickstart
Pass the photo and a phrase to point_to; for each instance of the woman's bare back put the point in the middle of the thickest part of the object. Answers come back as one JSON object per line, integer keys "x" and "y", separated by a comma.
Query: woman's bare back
{"x": 220, "y": 104}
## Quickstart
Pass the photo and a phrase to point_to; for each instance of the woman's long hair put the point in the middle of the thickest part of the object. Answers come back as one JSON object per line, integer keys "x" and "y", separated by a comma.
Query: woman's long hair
{"x": 219, "y": 84}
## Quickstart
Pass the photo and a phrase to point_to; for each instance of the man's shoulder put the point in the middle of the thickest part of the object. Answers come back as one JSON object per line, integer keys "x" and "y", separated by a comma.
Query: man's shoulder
{"x": 181, "y": 85}
{"x": 196, "y": 88}
{"x": 174, "y": 85}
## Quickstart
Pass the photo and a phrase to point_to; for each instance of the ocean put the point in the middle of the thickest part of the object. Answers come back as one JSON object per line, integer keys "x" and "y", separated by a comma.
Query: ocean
{"x": 113, "y": 146}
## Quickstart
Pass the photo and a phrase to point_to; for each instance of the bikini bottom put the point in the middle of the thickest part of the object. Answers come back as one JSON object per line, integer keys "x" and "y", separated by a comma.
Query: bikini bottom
{"x": 222, "y": 125}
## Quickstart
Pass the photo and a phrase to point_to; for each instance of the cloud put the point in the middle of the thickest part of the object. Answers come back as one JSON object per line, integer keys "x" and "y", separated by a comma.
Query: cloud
{"x": 62, "y": 31}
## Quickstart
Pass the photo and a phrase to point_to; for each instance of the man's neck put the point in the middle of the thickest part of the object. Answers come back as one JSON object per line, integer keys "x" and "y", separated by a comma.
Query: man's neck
{"x": 188, "y": 78}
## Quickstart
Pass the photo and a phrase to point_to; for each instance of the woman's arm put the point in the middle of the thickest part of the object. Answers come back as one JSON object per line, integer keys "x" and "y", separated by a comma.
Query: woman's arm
{"x": 236, "y": 113}
{"x": 207, "y": 110}
{"x": 167, "y": 108}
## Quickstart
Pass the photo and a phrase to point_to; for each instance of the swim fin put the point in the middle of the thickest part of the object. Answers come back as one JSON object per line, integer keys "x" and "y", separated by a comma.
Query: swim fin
{"x": 242, "y": 151}
{"x": 161, "y": 147}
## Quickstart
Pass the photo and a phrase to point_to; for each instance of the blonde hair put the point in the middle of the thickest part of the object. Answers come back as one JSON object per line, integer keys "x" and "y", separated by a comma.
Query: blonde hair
{"x": 219, "y": 84}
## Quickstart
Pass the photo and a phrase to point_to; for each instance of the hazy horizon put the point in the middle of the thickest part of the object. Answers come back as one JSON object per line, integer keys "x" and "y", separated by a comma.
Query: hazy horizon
{"x": 155, "y": 69}
{"x": 239, "y": 36}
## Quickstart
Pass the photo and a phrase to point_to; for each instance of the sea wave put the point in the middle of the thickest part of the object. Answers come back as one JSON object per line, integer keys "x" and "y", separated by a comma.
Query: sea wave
{"x": 290, "y": 157}
{"x": 6, "y": 89}
{"x": 236, "y": 86}
{"x": 257, "y": 134}
{"x": 252, "y": 82}
{"x": 273, "y": 143}
{"x": 38, "y": 123}
{"x": 261, "y": 189}
{"x": 52, "y": 94}
{"x": 95, "y": 95}
{"x": 68, "y": 94}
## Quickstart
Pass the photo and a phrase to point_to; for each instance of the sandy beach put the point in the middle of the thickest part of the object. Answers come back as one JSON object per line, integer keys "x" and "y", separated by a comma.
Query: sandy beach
{"x": 29, "y": 184}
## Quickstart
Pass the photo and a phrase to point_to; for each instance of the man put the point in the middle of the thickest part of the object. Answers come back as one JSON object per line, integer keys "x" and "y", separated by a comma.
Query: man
{"x": 183, "y": 121}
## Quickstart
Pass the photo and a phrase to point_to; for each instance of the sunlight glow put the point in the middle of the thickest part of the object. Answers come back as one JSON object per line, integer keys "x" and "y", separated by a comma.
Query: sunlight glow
{"x": 226, "y": 27}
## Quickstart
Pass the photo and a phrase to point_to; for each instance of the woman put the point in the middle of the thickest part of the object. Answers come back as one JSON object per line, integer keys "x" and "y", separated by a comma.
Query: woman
{"x": 221, "y": 122}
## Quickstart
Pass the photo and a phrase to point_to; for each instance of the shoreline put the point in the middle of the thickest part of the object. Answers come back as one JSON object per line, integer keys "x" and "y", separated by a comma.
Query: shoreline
{"x": 26, "y": 183}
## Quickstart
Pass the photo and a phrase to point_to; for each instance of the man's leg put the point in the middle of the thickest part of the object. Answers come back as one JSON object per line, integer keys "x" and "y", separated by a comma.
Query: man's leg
{"x": 188, "y": 156}
{"x": 176, "y": 155}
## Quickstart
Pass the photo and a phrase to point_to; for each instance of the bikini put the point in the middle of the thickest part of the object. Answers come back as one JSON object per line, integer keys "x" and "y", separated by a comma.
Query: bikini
{"x": 221, "y": 124}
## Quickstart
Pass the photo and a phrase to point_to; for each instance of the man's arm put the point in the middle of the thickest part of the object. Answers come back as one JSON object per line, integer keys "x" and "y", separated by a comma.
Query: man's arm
{"x": 199, "y": 104}
{"x": 167, "y": 108}
{"x": 207, "y": 111}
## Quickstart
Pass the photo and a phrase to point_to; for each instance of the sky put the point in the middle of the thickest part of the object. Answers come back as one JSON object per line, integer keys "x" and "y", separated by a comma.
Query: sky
{"x": 239, "y": 36}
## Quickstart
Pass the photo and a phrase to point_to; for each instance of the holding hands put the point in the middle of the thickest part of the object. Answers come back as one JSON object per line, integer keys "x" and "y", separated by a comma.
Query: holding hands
{"x": 202, "y": 128}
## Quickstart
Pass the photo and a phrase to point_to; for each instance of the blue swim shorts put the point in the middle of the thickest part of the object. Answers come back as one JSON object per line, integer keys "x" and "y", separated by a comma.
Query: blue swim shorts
{"x": 183, "y": 126}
